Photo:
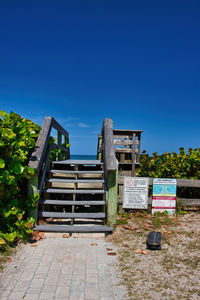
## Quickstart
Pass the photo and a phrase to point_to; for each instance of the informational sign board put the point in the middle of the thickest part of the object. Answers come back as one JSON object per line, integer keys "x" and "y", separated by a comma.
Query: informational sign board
{"x": 164, "y": 195}
{"x": 135, "y": 192}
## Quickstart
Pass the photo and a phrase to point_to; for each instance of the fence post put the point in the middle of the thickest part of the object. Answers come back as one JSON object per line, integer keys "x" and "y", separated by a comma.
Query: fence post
{"x": 33, "y": 189}
{"x": 112, "y": 181}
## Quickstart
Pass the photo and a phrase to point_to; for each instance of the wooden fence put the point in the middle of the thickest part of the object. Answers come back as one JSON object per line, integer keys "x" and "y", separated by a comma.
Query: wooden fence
{"x": 180, "y": 183}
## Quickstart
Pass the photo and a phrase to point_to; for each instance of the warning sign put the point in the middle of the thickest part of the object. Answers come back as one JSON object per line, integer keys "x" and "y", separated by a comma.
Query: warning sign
{"x": 164, "y": 195}
{"x": 135, "y": 192}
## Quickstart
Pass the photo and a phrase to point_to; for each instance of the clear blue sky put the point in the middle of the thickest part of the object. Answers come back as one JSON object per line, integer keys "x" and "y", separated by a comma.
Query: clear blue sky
{"x": 137, "y": 62}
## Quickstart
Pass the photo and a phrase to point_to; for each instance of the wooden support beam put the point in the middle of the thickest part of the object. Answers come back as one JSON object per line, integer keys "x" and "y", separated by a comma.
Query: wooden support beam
{"x": 32, "y": 190}
{"x": 59, "y": 143}
{"x": 109, "y": 153}
{"x": 112, "y": 184}
{"x": 133, "y": 155}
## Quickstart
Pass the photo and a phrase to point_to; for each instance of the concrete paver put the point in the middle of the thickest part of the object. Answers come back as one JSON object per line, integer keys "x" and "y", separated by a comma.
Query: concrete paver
{"x": 71, "y": 268}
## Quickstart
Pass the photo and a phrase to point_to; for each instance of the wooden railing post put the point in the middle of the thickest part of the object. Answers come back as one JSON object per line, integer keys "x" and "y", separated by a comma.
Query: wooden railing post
{"x": 59, "y": 143}
{"x": 110, "y": 170}
{"x": 112, "y": 181}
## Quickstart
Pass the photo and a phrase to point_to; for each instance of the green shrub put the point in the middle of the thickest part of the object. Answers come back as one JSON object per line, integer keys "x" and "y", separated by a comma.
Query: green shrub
{"x": 17, "y": 141}
{"x": 171, "y": 165}
{"x": 182, "y": 165}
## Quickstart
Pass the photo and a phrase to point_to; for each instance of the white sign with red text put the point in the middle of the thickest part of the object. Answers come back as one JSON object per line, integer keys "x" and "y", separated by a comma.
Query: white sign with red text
{"x": 135, "y": 192}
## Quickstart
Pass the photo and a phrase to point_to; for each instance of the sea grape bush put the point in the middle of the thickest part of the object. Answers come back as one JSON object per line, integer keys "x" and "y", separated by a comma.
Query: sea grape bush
{"x": 17, "y": 140}
{"x": 182, "y": 165}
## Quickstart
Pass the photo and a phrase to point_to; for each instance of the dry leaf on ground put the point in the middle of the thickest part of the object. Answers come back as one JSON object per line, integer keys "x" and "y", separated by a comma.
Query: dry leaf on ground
{"x": 37, "y": 235}
{"x": 112, "y": 253}
{"x": 138, "y": 251}
{"x": 65, "y": 236}
{"x": 9, "y": 259}
{"x": 33, "y": 245}
{"x": 93, "y": 244}
{"x": 129, "y": 227}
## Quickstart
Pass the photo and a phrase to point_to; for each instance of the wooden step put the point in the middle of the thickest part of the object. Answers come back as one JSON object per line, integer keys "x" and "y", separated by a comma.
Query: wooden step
{"x": 65, "y": 191}
{"x": 74, "y": 228}
{"x": 76, "y": 180}
{"x": 76, "y": 172}
{"x": 78, "y": 162}
{"x": 71, "y": 202}
{"x": 56, "y": 215}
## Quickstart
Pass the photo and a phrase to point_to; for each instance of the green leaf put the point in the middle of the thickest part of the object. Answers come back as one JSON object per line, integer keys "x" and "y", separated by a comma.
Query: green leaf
{"x": 31, "y": 171}
{"x": 8, "y": 133}
{"x": 2, "y": 113}
{"x": 10, "y": 237}
{"x": 2, "y": 163}
{"x": 17, "y": 168}
{"x": 22, "y": 144}
{"x": 14, "y": 202}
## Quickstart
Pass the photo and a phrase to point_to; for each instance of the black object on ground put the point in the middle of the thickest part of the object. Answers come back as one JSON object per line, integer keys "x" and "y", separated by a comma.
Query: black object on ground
{"x": 154, "y": 240}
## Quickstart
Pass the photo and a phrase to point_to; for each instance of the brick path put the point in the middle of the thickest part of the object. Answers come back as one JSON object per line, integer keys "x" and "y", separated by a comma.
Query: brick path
{"x": 62, "y": 268}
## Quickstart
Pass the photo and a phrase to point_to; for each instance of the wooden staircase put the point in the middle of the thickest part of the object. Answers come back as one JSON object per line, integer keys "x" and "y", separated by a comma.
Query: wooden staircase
{"x": 73, "y": 198}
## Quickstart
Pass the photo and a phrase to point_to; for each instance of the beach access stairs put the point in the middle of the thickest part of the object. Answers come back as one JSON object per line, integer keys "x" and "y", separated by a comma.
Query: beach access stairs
{"x": 80, "y": 195}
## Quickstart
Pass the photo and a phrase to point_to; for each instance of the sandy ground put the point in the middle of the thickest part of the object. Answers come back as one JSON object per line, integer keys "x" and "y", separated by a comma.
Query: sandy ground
{"x": 173, "y": 272}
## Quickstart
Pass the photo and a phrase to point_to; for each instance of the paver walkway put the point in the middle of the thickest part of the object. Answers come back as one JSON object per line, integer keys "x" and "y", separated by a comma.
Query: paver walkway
{"x": 62, "y": 268}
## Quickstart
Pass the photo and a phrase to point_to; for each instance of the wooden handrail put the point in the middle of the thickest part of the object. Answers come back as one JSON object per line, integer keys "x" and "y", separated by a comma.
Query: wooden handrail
{"x": 108, "y": 145}
{"x": 193, "y": 183}
{"x": 38, "y": 155}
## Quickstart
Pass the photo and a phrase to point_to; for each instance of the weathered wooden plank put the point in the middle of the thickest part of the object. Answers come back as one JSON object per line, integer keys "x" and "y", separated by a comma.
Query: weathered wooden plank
{"x": 76, "y": 180}
{"x": 76, "y": 172}
{"x": 41, "y": 146}
{"x": 58, "y": 127}
{"x": 54, "y": 146}
{"x": 47, "y": 214}
{"x": 65, "y": 191}
{"x": 125, "y": 132}
{"x": 125, "y": 137}
{"x": 123, "y": 142}
{"x": 78, "y": 162}
{"x": 74, "y": 228}
{"x": 134, "y": 151}
{"x": 38, "y": 154}
{"x": 109, "y": 153}
{"x": 185, "y": 201}
{"x": 180, "y": 182}
{"x": 71, "y": 202}
{"x": 190, "y": 202}
{"x": 125, "y": 150}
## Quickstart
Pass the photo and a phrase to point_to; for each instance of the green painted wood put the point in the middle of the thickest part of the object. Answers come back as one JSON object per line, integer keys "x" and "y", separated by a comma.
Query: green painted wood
{"x": 33, "y": 189}
{"x": 65, "y": 142}
{"x": 59, "y": 142}
{"x": 112, "y": 183}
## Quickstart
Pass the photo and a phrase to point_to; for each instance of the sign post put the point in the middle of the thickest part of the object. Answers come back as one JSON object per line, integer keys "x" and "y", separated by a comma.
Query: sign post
{"x": 135, "y": 192}
{"x": 164, "y": 195}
